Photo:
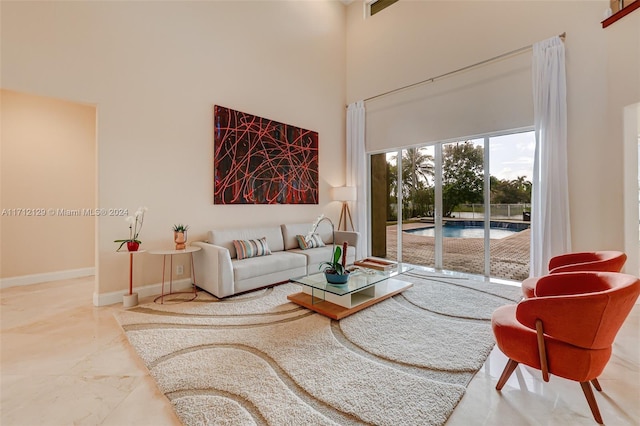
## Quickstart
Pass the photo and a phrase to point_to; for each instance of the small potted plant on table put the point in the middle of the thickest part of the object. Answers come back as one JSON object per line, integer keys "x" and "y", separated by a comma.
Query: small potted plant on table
{"x": 180, "y": 236}
{"x": 335, "y": 271}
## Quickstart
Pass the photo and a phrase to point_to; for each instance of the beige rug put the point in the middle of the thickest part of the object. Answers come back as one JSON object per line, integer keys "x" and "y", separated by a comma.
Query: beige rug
{"x": 259, "y": 359}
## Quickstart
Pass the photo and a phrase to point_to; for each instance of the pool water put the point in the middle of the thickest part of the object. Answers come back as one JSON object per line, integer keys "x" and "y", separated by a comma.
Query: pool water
{"x": 464, "y": 232}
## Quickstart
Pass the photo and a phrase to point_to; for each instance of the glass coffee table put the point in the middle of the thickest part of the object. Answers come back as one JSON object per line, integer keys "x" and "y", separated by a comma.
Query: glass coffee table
{"x": 365, "y": 288}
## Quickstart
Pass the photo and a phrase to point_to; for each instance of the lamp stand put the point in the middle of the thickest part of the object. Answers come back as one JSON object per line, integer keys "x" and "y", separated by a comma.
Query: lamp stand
{"x": 344, "y": 213}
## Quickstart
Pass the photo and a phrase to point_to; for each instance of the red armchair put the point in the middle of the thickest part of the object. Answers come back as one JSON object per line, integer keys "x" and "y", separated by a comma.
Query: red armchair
{"x": 568, "y": 328}
{"x": 604, "y": 261}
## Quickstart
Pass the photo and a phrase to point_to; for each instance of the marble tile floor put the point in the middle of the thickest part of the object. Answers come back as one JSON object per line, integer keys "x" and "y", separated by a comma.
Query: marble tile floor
{"x": 64, "y": 361}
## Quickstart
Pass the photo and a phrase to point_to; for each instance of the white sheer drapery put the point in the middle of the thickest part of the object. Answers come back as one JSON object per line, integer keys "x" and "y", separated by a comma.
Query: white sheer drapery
{"x": 550, "y": 227}
{"x": 357, "y": 172}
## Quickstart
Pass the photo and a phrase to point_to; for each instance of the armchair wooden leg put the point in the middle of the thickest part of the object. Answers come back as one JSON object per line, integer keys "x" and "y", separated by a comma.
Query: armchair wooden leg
{"x": 591, "y": 399}
{"x": 542, "y": 351}
{"x": 596, "y": 385}
{"x": 508, "y": 370}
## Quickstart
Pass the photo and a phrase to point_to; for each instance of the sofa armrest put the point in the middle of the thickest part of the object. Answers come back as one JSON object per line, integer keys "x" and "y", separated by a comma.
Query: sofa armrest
{"x": 213, "y": 269}
{"x": 351, "y": 237}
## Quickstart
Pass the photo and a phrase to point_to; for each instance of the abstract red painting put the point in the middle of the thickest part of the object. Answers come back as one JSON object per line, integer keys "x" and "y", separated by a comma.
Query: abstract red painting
{"x": 261, "y": 161}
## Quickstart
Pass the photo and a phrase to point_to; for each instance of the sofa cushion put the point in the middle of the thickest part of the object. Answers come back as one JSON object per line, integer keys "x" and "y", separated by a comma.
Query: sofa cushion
{"x": 251, "y": 248}
{"x": 313, "y": 242}
{"x": 318, "y": 255}
{"x": 224, "y": 237}
{"x": 290, "y": 231}
{"x": 277, "y": 262}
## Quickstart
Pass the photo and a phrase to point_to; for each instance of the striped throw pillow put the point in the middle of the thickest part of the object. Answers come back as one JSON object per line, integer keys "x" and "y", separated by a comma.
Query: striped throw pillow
{"x": 312, "y": 242}
{"x": 251, "y": 248}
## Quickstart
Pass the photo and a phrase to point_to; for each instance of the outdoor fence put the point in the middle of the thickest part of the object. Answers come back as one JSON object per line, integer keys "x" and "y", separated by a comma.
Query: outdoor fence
{"x": 520, "y": 212}
{"x": 498, "y": 211}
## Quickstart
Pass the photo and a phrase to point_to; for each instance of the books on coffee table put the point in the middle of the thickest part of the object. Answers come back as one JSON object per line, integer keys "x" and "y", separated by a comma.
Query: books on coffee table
{"x": 375, "y": 263}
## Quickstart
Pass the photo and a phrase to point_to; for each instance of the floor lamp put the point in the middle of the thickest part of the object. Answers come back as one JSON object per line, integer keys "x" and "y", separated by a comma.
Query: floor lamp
{"x": 345, "y": 194}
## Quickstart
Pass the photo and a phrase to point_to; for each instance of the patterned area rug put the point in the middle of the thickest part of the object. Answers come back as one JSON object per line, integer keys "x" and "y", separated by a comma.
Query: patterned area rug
{"x": 259, "y": 359}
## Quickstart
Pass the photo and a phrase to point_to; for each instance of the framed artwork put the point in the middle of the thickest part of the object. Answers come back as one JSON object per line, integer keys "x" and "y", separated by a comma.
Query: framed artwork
{"x": 261, "y": 161}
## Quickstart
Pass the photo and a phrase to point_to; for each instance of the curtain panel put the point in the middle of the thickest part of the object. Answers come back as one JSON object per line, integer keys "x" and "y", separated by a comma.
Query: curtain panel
{"x": 550, "y": 227}
{"x": 357, "y": 173}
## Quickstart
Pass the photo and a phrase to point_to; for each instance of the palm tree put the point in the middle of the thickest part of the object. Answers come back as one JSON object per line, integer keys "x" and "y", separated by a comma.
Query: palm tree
{"x": 417, "y": 167}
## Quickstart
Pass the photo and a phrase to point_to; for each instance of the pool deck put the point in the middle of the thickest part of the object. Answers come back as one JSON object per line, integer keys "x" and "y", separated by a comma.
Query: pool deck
{"x": 509, "y": 255}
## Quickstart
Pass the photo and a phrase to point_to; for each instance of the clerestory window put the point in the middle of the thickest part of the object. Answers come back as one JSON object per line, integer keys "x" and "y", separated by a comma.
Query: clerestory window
{"x": 376, "y": 6}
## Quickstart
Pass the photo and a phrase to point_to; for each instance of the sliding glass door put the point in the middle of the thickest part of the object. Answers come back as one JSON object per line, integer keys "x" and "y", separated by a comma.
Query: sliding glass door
{"x": 511, "y": 165}
{"x": 457, "y": 205}
{"x": 463, "y": 207}
{"x": 383, "y": 205}
{"x": 418, "y": 206}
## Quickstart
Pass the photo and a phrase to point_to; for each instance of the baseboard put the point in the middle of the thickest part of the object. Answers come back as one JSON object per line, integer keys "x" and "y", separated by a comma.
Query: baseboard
{"x": 144, "y": 291}
{"x": 46, "y": 277}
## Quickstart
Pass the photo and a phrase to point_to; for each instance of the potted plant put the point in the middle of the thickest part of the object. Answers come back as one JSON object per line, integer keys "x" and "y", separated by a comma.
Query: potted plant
{"x": 180, "y": 236}
{"x": 335, "y": 270}
{"x": 135, "y": 225}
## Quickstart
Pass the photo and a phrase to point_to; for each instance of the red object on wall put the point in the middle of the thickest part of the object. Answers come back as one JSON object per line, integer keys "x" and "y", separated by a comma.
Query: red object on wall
{"x": 261, "y": 161}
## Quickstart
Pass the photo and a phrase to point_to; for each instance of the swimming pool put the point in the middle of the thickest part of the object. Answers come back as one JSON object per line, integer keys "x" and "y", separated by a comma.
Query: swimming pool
{"x": 496, "y": 232}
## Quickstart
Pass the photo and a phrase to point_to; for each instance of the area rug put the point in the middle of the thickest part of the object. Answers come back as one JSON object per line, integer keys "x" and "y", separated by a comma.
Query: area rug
{"x": 259, "y": 359}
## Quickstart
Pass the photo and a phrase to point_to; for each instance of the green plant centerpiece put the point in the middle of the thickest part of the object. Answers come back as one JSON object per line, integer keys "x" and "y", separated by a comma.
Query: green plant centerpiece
{"x": 335, "y": 270}
{"x": 180, "y": 236}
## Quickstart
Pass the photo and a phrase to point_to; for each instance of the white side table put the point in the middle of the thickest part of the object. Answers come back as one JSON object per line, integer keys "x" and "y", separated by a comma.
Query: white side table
{"x": 172, "y": 253}
{"x": 130, "y": 300}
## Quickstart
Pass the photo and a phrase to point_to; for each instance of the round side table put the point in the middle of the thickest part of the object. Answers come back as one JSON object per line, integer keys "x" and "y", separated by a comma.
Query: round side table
{"x": 192, "y": 294}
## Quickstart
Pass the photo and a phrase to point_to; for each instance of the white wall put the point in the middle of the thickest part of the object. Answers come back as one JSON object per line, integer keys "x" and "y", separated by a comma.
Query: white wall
{"x": 631, "y": 192}
{"x": 155, "y": 70}
{"x": 623, "y": 59}
{"x": 48, "y": 163}
{"x": 414, "y": 40}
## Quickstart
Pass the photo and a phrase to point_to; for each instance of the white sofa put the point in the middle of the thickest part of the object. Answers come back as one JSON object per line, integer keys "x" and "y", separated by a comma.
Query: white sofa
{"x": 219, "y": 272}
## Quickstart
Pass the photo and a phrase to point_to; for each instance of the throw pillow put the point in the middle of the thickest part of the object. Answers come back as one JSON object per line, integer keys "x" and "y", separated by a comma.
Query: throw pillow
{"x": 312, "y": 242}
{"x": 251, "y": 248}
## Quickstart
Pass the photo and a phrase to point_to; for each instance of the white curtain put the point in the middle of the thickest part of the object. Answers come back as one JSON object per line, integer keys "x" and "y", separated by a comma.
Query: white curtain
{"x": 357, "y": 172}
{"x": 550, "y": 228}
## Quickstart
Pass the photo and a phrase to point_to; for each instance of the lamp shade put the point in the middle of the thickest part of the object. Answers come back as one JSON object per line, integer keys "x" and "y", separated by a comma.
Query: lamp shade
{"x": 345, "y": 193}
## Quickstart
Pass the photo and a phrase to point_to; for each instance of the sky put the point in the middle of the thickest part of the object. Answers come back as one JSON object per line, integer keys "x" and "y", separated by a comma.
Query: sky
{"x": 510, "y": 155}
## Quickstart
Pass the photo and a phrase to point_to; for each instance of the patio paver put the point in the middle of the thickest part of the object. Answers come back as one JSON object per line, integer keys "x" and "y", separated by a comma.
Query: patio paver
{"x": 509, "y": 255}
